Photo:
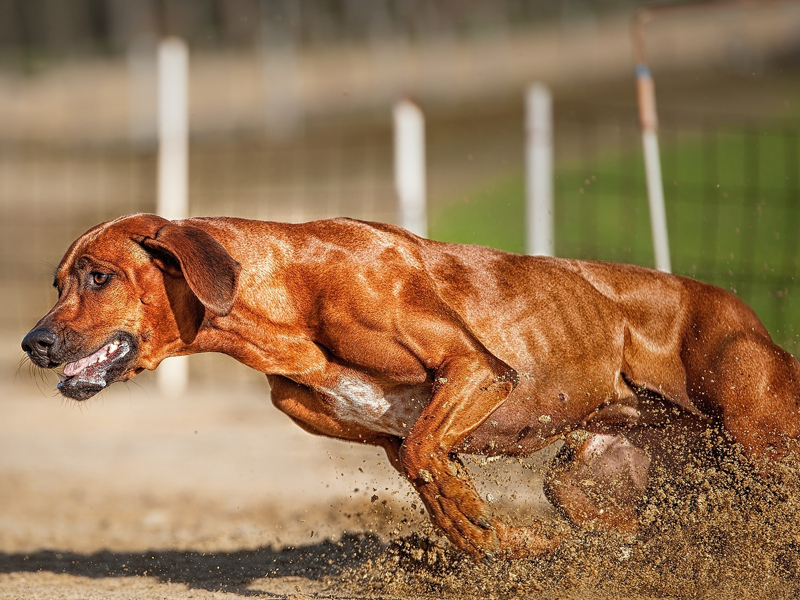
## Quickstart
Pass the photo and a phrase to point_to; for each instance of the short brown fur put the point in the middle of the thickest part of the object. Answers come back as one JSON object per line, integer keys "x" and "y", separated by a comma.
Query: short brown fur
{"x": 370, "y": 334}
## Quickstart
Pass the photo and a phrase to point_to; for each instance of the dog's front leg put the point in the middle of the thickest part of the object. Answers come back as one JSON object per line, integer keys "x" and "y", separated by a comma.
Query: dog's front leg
{"x": 467, "y": 390}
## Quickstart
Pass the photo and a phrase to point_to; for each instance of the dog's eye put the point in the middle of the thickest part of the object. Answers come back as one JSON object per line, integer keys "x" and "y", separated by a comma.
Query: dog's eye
{"x": 99, "y": 279}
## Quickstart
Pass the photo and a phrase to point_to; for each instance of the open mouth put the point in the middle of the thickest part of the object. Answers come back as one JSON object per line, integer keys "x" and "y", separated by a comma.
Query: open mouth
{"x": 85, "y": 377}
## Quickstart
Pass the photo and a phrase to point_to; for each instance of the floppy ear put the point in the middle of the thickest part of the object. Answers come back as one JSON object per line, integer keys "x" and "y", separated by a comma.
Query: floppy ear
{"x": 212, "y": 273}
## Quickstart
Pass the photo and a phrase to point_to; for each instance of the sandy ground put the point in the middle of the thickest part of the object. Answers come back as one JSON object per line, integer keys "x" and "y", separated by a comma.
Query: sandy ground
{"x": 214, "y": 494}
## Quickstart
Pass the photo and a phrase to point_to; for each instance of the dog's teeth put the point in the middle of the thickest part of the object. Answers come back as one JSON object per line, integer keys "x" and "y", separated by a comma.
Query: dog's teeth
{"x": 100, "y": 356}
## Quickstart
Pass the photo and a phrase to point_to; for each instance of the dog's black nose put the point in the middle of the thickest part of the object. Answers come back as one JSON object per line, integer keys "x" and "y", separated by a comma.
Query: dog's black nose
{"x": 38, "y": 343}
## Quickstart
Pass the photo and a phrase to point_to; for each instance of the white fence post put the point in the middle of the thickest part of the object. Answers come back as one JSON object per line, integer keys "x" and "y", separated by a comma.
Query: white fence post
{"x": 173, "y": 129}
{"x": 645, "y": 91}
{"x": 539, "y": 171}
{"x": 409, "y": 166}
{"x": 173, "y": 169}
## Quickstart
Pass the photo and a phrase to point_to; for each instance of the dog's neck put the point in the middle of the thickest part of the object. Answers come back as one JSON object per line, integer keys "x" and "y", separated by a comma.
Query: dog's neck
{"x": 261, "y": 339}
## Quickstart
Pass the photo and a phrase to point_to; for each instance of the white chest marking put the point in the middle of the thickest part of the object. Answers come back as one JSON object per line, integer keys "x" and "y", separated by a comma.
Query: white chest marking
{"x": 391, "y": 411}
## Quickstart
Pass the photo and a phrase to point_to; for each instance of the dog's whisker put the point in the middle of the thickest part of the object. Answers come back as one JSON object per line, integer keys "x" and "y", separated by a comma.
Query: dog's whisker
{"x": 22, "y": 362}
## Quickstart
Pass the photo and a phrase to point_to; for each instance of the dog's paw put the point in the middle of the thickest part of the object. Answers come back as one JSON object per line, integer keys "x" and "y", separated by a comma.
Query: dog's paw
{"x": 457, "y": 510}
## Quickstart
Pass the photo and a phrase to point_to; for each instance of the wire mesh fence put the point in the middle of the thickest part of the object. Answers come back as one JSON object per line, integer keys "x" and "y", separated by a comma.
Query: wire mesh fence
{"x": 50, "y": 195}
{"x": 731, "y": 187}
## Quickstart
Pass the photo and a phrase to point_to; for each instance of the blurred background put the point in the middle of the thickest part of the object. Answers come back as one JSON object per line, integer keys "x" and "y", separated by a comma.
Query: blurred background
{"x": 290, "y": 118}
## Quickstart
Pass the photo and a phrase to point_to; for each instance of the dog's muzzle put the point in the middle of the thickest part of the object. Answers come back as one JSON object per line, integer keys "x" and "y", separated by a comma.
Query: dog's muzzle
{"x": 84, "y": 373}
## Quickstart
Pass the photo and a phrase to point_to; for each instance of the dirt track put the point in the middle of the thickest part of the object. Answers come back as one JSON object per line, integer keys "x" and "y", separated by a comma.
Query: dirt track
{"x": 218, "y": 495}
{"x": 134, "y": 495}
{"x": 214, "y": 494}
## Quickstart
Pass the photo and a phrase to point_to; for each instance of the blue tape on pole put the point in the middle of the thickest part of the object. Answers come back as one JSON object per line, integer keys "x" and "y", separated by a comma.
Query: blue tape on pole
{"x": 642, "y": 70}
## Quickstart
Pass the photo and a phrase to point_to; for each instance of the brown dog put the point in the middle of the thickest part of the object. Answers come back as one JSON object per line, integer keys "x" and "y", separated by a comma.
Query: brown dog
{"x": 371, "y": 334}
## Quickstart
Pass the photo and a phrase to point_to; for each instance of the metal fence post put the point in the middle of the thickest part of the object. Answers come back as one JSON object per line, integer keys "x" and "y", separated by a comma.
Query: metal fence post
{"x": 409, "y": 166}
{"x": 173, "y": 169}
{"x": 645, "y": 91}
{"x": 539, "y": 171}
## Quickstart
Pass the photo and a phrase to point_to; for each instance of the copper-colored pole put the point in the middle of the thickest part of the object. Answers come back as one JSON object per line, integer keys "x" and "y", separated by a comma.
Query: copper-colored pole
{"x": 648, "y": 117}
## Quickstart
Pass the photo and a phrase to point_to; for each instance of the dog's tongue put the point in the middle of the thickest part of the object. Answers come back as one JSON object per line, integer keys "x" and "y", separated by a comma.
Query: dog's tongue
{"x": 91, "y": 367}
{"x": 93, "y": 375}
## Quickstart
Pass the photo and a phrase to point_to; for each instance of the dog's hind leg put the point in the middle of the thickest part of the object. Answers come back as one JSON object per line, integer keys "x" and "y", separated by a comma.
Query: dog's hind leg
{"x": 598, "y": 480}
{"x": 755, "y": 386}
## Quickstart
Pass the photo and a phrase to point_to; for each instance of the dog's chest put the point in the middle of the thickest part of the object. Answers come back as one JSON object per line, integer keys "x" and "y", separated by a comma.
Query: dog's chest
{"x": 391, "y": 410}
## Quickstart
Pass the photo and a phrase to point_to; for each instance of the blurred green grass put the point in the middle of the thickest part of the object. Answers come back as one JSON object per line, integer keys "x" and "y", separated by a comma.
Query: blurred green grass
{"x": 733, "y": 209}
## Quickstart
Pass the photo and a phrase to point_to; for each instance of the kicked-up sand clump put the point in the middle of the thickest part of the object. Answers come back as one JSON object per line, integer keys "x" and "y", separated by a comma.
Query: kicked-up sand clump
{"x": 716, "y": 526}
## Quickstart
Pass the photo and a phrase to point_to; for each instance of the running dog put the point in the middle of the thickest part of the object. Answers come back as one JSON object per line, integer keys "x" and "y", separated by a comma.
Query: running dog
{"x": 370, "y": 334}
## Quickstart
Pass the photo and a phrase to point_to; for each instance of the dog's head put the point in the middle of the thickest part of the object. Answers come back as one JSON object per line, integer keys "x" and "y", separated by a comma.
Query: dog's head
{"x": 131, "y": 292}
